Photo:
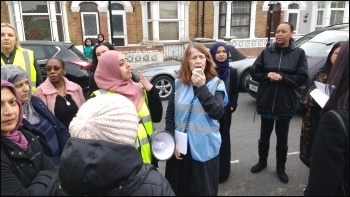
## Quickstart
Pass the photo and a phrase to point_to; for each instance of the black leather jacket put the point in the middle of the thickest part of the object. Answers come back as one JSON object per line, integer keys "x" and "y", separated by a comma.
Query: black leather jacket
{"x": 280, "y": 98}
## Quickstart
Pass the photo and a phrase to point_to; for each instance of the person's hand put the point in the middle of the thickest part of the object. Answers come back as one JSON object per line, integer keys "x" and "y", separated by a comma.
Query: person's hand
{"x": 144, "y": 82}
{"x": 198, "y": 79}
{"x": 177, "y": 153}
{"x": 273, "y": 76}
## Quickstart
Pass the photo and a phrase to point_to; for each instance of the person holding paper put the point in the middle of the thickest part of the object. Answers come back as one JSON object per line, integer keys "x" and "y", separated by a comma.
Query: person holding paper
{"x": 281, "y": 69}
{"x": 194, "y": 109}
{"x": 329, "y": 167}
{"x": 310, "y": 109}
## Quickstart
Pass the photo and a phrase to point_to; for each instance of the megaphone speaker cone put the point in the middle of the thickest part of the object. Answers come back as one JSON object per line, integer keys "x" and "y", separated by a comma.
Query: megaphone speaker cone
{"x": 162, "y": 145}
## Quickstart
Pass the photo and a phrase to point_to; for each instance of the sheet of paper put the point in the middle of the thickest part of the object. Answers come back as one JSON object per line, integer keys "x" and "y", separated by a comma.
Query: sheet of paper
{"x": 320, "y": 97}
{"x": 181, "y": 141}
{"x": 322, "y": 87}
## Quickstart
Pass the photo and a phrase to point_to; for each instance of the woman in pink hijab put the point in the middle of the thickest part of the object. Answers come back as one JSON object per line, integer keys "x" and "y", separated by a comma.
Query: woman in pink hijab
{"x": 113, "y": 75}
{"x": 25, "y": 169}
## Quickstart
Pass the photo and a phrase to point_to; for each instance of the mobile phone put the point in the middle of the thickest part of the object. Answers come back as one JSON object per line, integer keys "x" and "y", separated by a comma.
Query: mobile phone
{"x": 198, "y": 70}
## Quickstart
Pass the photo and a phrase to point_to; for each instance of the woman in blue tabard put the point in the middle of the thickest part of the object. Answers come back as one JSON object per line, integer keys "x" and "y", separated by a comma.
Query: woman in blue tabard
{"x": 195, "y": 108}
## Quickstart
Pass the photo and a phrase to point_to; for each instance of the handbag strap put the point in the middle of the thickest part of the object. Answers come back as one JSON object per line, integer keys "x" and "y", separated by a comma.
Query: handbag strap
{"x": 340, "y": 120}
{"x": 346, "y": 133}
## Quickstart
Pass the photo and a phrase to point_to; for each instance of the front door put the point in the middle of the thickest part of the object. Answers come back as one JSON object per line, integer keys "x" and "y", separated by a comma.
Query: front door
{"x": 118, "y": 29}
{"x": 276, "y": 15}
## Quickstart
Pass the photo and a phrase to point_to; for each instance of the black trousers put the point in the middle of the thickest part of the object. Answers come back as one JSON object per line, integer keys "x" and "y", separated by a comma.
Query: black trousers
{"x": 281, "y": 129}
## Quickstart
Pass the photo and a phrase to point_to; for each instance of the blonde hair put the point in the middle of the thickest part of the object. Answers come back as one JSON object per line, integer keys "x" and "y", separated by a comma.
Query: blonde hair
{"x": 17, "y": 46}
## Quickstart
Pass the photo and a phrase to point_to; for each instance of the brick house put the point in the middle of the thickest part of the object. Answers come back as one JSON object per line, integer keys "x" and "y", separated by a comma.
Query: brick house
{"x": 163, "y": 28}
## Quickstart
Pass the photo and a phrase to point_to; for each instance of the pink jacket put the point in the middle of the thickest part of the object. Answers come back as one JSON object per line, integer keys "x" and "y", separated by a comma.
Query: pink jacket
{"x": 47, "y": 93}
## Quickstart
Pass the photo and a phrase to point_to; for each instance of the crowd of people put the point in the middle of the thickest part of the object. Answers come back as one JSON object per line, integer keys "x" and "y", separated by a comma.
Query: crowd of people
{"x": 55, "y": 141}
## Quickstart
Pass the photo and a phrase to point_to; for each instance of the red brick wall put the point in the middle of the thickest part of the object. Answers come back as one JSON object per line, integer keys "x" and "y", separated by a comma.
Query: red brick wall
{"x": 75, "y": 25}
{"x": 195, "y": 28}
{"x": 134, "y": 23}
{"x": 4, "y": 12}
{"x": 260, "y": 20}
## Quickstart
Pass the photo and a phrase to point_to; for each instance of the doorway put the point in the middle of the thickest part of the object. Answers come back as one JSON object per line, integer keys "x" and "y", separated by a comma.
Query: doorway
{"x": 276, "y": 15}
{"x": 118, "y": 24}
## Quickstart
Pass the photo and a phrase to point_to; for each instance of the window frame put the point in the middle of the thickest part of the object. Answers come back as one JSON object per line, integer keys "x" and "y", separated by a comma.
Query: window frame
{"x": 156, "y": 22}
{"x": 232, "y": 14}
{"x": 83, "y": 25}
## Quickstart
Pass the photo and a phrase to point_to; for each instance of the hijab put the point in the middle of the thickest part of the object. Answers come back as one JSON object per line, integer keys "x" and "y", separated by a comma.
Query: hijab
{"x": 108, "y": 76}
{"x": 221, "y": 67}
{"x": 15, "y": 135}
{"x": 13, "y": 74}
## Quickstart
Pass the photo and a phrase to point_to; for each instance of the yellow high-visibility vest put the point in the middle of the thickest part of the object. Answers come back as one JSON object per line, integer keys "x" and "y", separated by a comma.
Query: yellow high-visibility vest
{"x": 25, "y": 59}
{"x": 145, "y": 129}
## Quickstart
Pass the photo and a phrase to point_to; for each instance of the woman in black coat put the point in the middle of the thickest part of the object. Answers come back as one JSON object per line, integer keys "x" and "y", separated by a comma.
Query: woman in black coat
{"x": 329, "y": 169}
{"x": 281, "y": 70}
{"x": 25, "y": 169}
{"x": 220, "y": 55}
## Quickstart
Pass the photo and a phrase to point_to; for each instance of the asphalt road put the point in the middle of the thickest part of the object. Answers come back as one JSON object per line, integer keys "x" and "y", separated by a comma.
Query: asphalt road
{"x": 244, "y": 144}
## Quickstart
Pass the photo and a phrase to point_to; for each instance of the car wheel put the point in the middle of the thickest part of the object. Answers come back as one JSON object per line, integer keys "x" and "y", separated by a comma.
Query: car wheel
{"x": 165, "y": 86}
{"x": 243, "y": 81}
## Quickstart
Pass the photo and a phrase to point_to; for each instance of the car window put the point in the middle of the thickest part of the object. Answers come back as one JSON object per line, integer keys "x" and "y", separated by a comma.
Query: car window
{"x": 320, "y": 42}
{"x": 38, "y": 52}
{"x": 77, "y": 52}
{"x": 52, "y": 50}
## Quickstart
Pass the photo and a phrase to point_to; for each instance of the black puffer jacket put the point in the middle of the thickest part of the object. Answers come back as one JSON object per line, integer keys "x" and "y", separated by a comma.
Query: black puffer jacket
{"x": 96, "y": 167}
{"x": 280, "y": 98}
{"x": 25, "y": 173}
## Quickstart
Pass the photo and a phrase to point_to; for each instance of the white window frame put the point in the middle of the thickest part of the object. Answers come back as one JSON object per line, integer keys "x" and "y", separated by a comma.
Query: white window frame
{"x": 324, "y": 13}
{"x": 182, "y": 21}
{"x": 83, "y": 25}
{"x": 337, "y": 9}
{"x": 295, "y": 11}
{"x": 118, "y": 12}
{"x": 169, "y": 20}
{"x": 35, "y": 14}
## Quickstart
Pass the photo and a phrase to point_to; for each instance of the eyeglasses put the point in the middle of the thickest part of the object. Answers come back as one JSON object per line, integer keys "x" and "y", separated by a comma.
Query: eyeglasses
{"x": 55, "y": 68}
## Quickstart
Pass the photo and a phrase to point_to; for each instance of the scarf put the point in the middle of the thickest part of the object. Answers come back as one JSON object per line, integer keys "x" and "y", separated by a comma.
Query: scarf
{"x": 18, "y": 138}
{"x": 222, "y": 68}
{"x": 13, "y": 74}
{"x": 108, "y": 76}
{"x": 15, "y": 135}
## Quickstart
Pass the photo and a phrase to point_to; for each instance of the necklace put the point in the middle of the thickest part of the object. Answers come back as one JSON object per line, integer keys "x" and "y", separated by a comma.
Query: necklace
{"x": 67, "y": 102}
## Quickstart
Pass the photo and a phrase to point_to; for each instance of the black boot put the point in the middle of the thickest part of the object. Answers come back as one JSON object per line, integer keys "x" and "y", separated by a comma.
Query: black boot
{"x": 281, "y": 155}
{"x": 263, "y": 153}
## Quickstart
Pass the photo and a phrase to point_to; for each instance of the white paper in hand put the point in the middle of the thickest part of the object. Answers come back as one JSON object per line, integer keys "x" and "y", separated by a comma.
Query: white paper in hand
{"x": 320, "y": 97}
{"x": 181, "y": 141}
{"x": 320, "y": 94}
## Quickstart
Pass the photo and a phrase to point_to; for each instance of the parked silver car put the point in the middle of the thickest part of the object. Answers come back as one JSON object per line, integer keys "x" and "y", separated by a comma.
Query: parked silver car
{"x": 163, "y": 74}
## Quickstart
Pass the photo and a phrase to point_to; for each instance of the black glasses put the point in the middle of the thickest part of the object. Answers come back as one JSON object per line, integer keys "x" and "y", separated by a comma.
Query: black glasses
{"x": 55, "y": 68}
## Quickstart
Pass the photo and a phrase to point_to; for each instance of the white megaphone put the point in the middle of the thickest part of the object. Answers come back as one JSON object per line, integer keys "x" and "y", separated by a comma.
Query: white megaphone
{"x": 162, "y": 145}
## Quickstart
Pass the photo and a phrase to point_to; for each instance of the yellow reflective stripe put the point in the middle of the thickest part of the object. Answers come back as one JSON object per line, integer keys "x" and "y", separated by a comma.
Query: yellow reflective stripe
{"x": 27, "y": 64}
{"x": 146, "y": 119}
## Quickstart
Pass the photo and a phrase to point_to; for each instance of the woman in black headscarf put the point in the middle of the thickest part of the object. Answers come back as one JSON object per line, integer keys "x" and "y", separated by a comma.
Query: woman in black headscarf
{"x": 220, "y": 54}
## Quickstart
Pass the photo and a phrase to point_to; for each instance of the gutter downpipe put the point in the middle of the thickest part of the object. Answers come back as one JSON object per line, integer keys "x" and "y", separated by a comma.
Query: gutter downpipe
{"x": 203, "y": 19}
